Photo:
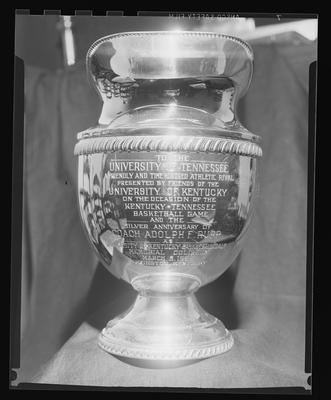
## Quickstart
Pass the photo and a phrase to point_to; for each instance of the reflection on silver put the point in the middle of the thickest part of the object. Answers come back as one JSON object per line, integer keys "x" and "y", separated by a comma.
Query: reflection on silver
{"x": 167, "y": 182}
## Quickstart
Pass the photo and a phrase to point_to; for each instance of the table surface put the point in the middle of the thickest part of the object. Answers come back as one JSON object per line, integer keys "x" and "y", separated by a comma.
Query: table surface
{"x": 267, "y": 352}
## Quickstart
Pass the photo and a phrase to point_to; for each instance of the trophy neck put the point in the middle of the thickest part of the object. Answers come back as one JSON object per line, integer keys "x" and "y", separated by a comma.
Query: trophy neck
{"x": 166, "y": 284}
{"x": 217, "y": 96}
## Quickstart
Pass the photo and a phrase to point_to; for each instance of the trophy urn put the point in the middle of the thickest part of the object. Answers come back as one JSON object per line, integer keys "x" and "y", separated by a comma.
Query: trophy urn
{"x": 167, "y": 183}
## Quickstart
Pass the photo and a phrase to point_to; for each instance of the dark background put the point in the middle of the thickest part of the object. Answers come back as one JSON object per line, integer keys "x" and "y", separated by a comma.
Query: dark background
{"x": 38, "y": 41}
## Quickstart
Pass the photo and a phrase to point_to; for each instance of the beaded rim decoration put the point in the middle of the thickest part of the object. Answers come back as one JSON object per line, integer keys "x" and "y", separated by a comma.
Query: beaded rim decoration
{"x": 167, "y": 143}
{"x": 149, "y": 353}
{"x": 244, "y": 44}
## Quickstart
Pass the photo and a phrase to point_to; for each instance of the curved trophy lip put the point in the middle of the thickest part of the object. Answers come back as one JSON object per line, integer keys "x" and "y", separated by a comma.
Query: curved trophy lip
{"x": 118, "y": 35}
{"x": 239, "y": 73}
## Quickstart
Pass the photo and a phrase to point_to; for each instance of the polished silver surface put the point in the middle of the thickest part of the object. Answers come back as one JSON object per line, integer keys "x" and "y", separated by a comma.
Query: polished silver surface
{"x": 204, "y": 70}
{"x": 167, "y": 182}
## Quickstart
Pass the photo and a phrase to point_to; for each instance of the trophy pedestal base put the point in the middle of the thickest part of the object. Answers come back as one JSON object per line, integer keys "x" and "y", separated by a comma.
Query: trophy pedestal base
{"x": 168, "y": 327}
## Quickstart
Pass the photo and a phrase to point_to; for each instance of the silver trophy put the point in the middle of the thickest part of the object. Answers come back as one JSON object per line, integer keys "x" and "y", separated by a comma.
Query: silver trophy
{"x": 167, "y": 182}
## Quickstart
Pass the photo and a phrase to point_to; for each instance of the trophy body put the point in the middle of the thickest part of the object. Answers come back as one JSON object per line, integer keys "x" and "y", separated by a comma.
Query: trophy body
{"x": 167, "y": 182}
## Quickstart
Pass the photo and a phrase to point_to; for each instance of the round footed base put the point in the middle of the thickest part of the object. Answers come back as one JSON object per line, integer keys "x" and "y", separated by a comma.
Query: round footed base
{"x": 171, "y": 353}
{"x": 166, "y": 329}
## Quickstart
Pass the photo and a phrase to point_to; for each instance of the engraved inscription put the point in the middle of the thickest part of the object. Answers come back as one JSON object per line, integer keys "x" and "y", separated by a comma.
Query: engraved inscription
{"x": 165, "y": 208}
